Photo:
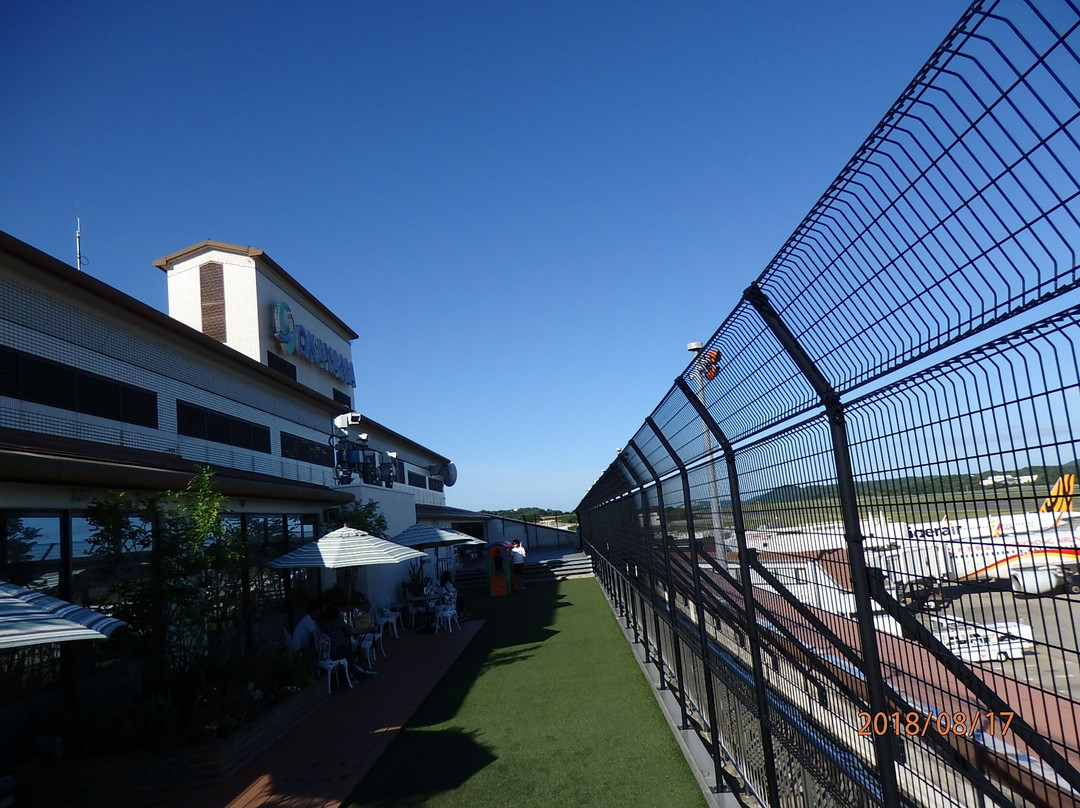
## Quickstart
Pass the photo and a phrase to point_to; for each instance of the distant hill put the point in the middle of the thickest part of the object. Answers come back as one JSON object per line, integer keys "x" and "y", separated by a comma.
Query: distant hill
{"x": 537, "y": 515}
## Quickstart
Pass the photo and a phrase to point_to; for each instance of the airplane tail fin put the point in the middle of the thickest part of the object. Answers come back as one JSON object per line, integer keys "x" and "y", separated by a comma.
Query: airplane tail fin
{"x": 1060, "y": 499}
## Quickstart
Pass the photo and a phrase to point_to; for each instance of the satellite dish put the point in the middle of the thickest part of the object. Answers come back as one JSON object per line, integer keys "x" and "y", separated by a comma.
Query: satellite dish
{"x": 449, "y": 474}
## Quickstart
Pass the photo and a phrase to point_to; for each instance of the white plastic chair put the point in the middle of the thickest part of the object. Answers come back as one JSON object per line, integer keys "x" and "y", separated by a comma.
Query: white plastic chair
{"x": 377, "y": 637}
{"x": 446, "y": 616}
{"x": 322, "y": 649}
{"x": 385, "y": 616}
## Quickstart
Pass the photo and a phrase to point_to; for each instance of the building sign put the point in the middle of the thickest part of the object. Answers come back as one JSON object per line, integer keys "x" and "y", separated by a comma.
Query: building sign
{"x": 298, "y": 339}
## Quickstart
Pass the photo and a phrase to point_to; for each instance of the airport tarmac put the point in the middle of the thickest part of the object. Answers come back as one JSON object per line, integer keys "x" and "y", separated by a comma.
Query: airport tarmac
{"x": 1055, "y": 622}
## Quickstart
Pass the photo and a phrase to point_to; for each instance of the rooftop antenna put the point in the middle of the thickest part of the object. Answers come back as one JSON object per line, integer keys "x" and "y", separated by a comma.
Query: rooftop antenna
{"x": 80, "y": 262}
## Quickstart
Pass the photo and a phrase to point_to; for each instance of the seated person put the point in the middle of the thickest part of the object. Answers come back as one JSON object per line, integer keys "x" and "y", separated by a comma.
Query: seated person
{"x": 305, "y": 628}
{"x": 446, "y": 588}
{"x": 333, "y": 625}
{"x": 449, "y": 592}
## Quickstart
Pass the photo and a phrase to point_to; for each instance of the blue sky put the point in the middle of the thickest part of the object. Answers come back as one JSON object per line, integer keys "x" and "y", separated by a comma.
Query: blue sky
{"x": 525, "y": 209}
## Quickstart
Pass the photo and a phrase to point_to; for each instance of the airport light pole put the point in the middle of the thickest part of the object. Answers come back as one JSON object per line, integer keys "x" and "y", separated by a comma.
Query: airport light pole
{"x": 704, "y": 365}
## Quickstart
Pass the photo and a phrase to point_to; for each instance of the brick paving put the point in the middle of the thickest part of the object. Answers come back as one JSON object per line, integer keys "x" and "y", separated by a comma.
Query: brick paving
{"x": 321, "y": 762}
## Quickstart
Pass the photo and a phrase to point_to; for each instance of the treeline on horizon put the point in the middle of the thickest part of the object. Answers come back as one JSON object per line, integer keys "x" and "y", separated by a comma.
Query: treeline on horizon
{"x": 533, "y": 514}
{"x": 935, "y": 485}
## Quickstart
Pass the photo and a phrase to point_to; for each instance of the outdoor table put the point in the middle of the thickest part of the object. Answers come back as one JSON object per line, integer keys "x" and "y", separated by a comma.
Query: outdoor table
{"x": 429, "y": 603}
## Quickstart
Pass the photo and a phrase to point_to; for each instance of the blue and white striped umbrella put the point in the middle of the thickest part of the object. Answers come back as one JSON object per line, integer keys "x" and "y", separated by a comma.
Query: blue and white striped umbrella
{"x": 345, "y": 547}
{"x": 433, "y": 536}
{"x": 34, "y": 618}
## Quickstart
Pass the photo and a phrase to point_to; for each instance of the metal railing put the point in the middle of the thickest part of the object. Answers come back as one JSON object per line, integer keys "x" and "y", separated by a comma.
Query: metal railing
{"x": 845, "y": 536}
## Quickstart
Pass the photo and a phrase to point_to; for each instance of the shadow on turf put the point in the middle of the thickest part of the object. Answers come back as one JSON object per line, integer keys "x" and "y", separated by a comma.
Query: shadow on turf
{"x": 444, "y": 760}
{"x": 514, "y": 626}
{"x": 497, "y": 659}
{"x": 440, "y": 760}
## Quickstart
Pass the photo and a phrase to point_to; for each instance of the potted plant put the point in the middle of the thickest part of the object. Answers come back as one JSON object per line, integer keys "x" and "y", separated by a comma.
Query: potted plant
{"x": 417, "y": 582}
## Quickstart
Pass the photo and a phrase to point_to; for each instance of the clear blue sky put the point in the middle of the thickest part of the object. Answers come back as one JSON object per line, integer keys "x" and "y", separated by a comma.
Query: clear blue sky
{"x": 526, "y": 209}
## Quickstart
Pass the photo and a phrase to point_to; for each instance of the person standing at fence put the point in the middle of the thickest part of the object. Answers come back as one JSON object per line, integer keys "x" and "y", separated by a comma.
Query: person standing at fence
{"x": 517, "y": 570}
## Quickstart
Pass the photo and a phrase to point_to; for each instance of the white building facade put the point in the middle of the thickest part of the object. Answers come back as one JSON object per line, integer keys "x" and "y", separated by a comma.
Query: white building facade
{"x": 247, "y": 374}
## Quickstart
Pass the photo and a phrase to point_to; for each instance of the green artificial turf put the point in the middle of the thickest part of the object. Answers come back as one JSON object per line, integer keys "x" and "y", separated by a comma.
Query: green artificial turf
{"x": 546, "y": 707}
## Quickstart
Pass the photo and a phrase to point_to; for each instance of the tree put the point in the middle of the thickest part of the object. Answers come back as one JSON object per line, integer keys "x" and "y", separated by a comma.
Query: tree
{"x": 366, "y": 517}
{"x": 20, "y": 542}
{"x": 183, "y": 611}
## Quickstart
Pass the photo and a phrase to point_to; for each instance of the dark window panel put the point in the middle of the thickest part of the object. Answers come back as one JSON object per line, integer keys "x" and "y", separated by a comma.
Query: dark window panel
{"x": 275, "y": 362}
{"x": 138, "y": 406}
{"x": 217, "y": 427}
{"x": 98, "y": 396}
{"x": 10, "y": 374}
{"x": 308, "y": 451}
{"x": 260, "y": 438}
{"x": 48, "y": 383}
{"x": 190, "y": 420}
{"x": 240, "y": 433}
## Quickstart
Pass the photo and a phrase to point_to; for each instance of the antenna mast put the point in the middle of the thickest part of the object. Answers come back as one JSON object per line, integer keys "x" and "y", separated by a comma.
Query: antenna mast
{"x": 78, "y": 244}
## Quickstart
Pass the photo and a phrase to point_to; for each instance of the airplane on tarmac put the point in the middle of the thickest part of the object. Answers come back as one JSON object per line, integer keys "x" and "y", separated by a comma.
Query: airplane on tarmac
{"x": 1037, "y": 553}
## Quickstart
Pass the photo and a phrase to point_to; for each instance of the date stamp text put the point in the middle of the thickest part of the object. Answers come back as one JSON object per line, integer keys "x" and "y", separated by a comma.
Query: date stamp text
{"x": 958, "y": 723}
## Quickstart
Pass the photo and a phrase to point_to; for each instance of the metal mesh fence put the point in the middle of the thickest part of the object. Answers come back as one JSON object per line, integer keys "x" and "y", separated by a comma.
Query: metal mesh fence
{"x": 846, "y": 535}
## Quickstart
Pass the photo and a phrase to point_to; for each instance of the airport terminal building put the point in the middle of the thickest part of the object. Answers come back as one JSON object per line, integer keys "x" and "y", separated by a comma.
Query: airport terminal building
{"x": 248, "y": 374}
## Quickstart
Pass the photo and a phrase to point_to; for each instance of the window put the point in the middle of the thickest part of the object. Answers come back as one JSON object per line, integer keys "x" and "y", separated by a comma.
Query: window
{"x": 137, "y": 540}
{"x": 342, "y": 397}
{"x": 31, "y": 550}
{"x": 212, "y": 298}
{"x": 275, "y": 362}
{"x": 418, "y": 480}
{"x": 199, "y": 422}
{"x": 301, "y": 529}
{"x": 31, "y": 378}
{"x": 308, "y": 451}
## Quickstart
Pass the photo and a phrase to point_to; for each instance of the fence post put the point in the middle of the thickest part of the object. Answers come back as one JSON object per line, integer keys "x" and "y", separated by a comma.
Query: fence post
{"x": 672, "y": 609}
{"x": 860, "y": 582}
{"x": 747, "y": 586}
{"x": 699, "y": 608}
{"x": 648, "y": 574}
{"x": 636, "y": 539}
{"x": 663, "y": 543}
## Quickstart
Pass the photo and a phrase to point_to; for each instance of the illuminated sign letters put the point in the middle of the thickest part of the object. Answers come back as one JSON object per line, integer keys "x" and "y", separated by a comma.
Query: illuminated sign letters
{"x": 296, "y": 338}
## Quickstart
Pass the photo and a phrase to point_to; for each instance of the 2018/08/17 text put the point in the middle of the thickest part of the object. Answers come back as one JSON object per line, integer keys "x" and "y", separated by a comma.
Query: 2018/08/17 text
{"x": 960, "y": 723}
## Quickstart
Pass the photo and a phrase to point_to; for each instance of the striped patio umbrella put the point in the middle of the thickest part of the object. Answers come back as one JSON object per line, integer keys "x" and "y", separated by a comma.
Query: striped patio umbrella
{"x": 34, "y": 618}
{"x": 433, "y": 536}
{"x": 345, "y": 547}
